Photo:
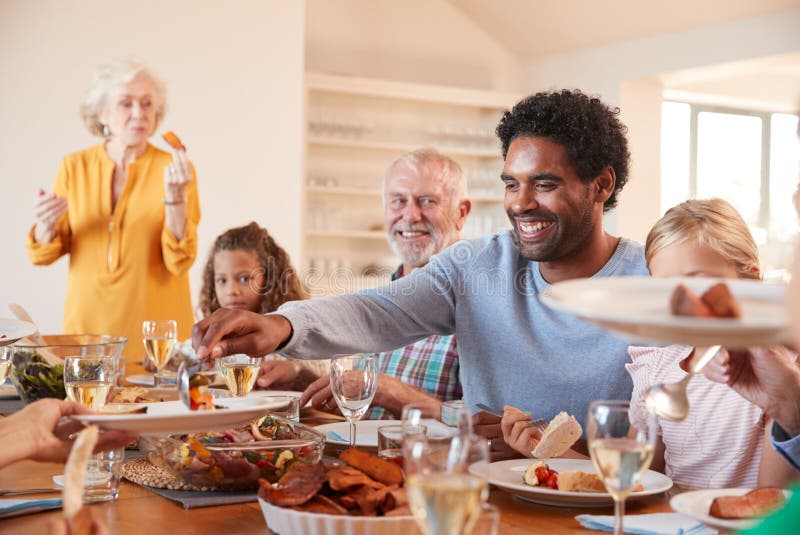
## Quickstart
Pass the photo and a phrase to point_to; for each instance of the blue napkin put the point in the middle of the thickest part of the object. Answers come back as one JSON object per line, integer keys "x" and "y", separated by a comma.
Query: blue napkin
{"x": 650, "y": 524}
{"x": 333, "y": 435}
{"x": 23, "y": 507}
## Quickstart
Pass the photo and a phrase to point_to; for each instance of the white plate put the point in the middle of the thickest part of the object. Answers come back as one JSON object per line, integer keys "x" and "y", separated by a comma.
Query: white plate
{"x": 696, "y": 504}
{"x": 285, "y": 521}
{"x": 12, "y": 330}
{"x": 508, "y": 476}
{"x": 638, "y": 309}
{"x": 367, "y": 431}
{"x": 172, "y": 417}
{"x": 142, "y": 379}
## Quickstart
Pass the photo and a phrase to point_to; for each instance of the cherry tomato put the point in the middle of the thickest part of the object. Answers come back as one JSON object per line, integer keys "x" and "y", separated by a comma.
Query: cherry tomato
{"x": 552, "y": 480}
{"x": 541, "y": 474}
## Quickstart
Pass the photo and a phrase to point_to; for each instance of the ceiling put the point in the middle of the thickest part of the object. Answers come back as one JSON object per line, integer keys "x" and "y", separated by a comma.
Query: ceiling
{"x": 531, "y": 28}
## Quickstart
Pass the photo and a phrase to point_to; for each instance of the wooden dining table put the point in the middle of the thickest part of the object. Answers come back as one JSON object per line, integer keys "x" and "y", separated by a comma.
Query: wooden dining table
{"x": 139, "y": 511}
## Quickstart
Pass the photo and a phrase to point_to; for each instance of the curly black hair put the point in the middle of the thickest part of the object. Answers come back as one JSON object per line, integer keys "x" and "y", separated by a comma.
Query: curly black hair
{"x": 281, "y": 283}
{"x": 589, "y": 130}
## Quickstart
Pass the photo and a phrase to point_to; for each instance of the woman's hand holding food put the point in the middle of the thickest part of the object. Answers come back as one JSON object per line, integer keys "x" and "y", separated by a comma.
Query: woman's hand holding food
{"x": 47, "y": 208}
{"x": 177, "y": 177}
{"x": 37, "y": 432}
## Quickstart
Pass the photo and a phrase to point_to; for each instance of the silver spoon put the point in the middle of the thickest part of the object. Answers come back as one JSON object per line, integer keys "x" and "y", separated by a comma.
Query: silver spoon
{"x": 669, "y": 401}
{"x": 191, "y": 375}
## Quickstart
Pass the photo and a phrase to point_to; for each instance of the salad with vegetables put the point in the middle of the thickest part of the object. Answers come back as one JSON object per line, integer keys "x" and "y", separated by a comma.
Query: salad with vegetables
{"x": 235, "y": 459}
{"x": 36, "y": 379}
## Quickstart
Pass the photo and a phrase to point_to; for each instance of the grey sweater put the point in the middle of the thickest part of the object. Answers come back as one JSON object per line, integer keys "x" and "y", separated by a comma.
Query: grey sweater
{"x": 513, "y": 349}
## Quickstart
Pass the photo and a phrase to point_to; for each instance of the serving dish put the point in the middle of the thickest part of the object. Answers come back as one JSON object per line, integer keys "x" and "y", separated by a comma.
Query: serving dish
{"x": 36, "y": 379}
{"x": 638, "y": 309}
{"x": 285, "y": 521}
{"x": 508, "y": 476}
{"x": 696, "y": 504}
{"x": 235, "y": 459}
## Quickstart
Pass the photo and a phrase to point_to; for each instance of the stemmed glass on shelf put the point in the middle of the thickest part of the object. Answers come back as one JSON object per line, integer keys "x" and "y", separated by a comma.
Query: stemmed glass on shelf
{"x": 354, "y": 380}
{"x": 621, "y": 452}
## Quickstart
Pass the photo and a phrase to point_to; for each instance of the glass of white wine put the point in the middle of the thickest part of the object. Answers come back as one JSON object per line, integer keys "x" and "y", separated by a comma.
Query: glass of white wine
{"x": 240, "y": 373}
{"x": 354, "y": 380}
{"x": 88, "y": 380}
{"x": 445, "y": 498}
{"x": 621, "y": 453}
{"x": 160, "y": 338}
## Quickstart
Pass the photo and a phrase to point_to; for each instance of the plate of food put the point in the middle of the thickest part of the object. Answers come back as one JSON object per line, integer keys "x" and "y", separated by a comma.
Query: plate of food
{"x": 730, "y": 509}
{"x": 360, "y": 494}
{"x": 691, "y": 310}
{"x": 173, "y": 417}
{"x": 12, "y": 330}
{"x": 367, "y": 431}
{"x": 576, "y": 484}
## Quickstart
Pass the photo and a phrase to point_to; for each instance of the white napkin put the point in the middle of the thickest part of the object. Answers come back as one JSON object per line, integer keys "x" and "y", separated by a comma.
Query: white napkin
{"x": 23, "y": 507}
{"x": 651, "y": 524}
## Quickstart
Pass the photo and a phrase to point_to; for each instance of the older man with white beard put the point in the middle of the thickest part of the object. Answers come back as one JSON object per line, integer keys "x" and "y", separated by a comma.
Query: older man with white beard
{"x": 425, "y": 207}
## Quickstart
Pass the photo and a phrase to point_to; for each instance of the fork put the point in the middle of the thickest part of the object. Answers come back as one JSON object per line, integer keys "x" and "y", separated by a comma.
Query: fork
{"x": 17, "y": 492}
{"x": 539, "y": 424}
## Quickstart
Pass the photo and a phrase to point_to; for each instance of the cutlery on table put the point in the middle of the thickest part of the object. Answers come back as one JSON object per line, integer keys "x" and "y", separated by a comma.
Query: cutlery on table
{"x": 17, "y": 492}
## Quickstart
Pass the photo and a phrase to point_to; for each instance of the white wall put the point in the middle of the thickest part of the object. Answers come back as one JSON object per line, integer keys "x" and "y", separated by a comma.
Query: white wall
{"x": 425, "y": 41}
{"x": 234, "y": 72}
{"x": 632, "y": 65}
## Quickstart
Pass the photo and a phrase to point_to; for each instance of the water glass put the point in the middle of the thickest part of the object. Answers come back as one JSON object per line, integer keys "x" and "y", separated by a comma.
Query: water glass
{"x": 620, "y": 452}
{"x": 103, "y": 476}
{"x": 285, "y": 406}
{"x": 390, "y": 439}
{"x": 354, "y": 380}
{"x": 488, "y": 522}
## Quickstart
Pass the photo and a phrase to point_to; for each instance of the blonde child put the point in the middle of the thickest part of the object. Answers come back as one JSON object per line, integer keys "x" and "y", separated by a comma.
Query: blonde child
{"x": 721, "y": 443}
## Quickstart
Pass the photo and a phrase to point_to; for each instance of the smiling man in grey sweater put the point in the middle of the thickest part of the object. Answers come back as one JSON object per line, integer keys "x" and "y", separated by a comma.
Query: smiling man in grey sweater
{"x": 566, "y": 160}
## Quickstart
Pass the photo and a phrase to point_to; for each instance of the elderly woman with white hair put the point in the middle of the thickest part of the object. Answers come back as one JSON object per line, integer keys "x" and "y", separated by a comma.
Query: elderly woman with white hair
{"x": 125, "y": 211}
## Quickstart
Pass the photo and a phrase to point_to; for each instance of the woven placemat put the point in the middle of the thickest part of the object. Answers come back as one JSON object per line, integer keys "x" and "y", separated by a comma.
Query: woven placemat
{"x": 143, "y": 472}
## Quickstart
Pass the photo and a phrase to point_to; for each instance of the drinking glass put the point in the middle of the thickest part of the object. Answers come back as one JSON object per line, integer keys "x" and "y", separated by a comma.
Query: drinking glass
{"x": 445, "y": 498}
{"x": 240, "y": 373}
{"x": 88, "y": 380}
{"x": 620, "y": 452}
{"x": 455, "y": 415}
{"x": 354, "y": 379}
{"x": 390, "y": 440}
{"x": 160, "y": 338}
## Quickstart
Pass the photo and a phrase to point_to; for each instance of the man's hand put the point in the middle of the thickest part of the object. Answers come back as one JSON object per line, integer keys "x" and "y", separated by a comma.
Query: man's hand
{"x": 321, "y": 396}
{"x": 231, "y": 331}
{"x": 519, "y": 431}
{"x": 768, "y": 378}
{"x": 488, "y": 425}
{"x": 279, "y": 375}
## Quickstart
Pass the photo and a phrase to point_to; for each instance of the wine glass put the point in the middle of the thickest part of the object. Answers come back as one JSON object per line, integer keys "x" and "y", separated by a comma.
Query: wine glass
{"x": 445, "y": 498}
{"x": 354, "y": 379}
{"x": 160, "y": 338}
{"x": 88, "y": 380}
{"x": 620, "y": 452}
{"x": 240, "y": 373}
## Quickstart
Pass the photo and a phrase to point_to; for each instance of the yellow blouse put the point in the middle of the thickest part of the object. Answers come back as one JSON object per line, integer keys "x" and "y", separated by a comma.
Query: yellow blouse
{"x": 125, "y": 266}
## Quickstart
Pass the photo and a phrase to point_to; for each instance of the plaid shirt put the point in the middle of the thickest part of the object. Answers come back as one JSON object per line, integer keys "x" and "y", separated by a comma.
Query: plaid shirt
{"x": 430, "y": 365}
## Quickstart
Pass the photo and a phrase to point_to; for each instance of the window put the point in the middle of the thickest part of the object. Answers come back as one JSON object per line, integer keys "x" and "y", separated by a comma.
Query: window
{"x": 751, "y": 159}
